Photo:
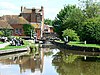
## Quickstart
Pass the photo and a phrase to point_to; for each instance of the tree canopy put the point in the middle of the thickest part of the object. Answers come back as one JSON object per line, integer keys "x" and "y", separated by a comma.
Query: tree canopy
{"x": 48, "y": 21}
{"x": 84, "y": 21}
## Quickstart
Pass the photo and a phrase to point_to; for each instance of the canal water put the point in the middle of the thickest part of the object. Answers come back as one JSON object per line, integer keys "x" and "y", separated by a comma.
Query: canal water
{"x": 50, "y": 61}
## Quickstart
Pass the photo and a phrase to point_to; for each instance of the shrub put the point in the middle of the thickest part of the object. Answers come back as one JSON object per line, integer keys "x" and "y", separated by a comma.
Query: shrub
{"x": 27, "y": 29}
{"x": 72, "y": 36}
{"x": 1, "y": 33}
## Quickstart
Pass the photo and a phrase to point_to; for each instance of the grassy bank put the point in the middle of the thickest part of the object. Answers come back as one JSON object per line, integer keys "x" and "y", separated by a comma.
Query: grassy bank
{"x": 81, "y": 44}
{"x": 84, "y": 45}
{"x": 60, "y": 41}
{"x": 26, "y": 43}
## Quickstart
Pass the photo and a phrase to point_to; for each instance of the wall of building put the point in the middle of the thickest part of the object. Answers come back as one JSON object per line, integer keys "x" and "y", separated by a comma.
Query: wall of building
{"x": 27, "y": 16}
{"x": 18, "y": 30}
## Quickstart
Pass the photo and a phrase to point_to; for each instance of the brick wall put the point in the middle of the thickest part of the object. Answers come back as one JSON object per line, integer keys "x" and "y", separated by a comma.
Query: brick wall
{"x": 18, "y": 30}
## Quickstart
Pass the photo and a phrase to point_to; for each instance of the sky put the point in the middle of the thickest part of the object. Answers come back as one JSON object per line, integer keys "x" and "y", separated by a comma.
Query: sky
{"x": 51, "y": 7}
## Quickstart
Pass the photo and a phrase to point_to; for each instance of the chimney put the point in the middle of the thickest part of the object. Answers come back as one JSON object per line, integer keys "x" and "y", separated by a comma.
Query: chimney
{"x": 21, "y": 8}
{"x": 42, "y": 8}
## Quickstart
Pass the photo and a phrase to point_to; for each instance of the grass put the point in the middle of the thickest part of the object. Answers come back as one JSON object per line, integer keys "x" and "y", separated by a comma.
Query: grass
{"x": 26, "y": 43}
{"x": 84, "y": 45}
{"x": 1, "y": 42}
{"x": 60, "y": 41}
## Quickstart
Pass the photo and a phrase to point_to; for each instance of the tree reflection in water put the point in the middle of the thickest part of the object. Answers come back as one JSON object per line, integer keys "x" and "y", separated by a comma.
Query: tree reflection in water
{"x": 75, "y": 65}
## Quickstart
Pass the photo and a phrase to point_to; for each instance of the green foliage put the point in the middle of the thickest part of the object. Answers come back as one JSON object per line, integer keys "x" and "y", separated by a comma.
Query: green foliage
{"x": 6, "y": 32}
{"x": 81, "y": 44}
{"x": 83, "y": 21}
{"x": 27, "y": 29}
{"x": 90, "y": 8}
{"x": 70, "y": 17}
{"x": 70, "y": 59}
{"x": 91, "y": 30}
{"x": 48, "y": 21}
{"x": 1, "y": 33}
{"x": 72, "y": 36}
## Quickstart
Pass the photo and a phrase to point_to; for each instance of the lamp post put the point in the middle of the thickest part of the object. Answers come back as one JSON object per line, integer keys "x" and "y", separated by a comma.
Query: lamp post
{"x": 31, "y": 33}
{"x": 66, "y": 38}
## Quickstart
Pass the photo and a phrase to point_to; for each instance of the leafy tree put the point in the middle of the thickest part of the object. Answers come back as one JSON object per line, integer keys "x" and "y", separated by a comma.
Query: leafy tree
{"x": 48, "y": 21}
{"x": 72, "y": 36}
{"x": 27, "y": 29}
{"x": 91, "y": 30}
{"x": 70, "y": 17}
{"x": 90, "y": 8}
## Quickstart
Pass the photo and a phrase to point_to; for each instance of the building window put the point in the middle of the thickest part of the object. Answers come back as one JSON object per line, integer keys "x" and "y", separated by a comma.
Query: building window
{"x": 18, "y": 31}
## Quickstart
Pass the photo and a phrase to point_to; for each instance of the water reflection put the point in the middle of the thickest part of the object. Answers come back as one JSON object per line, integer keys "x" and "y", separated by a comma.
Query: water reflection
{"x": 49, "y": 61}
{"x": 25, "y": 62}
{"x": 69, "y": 64}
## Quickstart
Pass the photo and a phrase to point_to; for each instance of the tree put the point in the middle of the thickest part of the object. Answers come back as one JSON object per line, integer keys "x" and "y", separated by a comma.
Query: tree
{"x": 91, "y": 30}
{"x": 48, "y": 21}
{"x": 72, "y": 36}
{"x": 27, "y": 29}
{"x": 90, "y": 8}
{"x": 70, "y": 17}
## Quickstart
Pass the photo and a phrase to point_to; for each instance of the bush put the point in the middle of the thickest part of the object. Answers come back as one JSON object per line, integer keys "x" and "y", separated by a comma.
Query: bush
{"x": 1, "y": 33}
{"x": 27, "y": 29}
{"x": 72, "y": 36}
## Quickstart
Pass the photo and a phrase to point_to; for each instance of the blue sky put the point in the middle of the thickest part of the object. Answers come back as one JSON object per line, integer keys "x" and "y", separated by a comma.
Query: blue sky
{"x": 51, "y": 7}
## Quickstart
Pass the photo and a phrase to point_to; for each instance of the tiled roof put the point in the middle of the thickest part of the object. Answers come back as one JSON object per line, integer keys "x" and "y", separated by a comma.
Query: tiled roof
{"x": 4, "y": 25}
{"x": 15, "y": 19}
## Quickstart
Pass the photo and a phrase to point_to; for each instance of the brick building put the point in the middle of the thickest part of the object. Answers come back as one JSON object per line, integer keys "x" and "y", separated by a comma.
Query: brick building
{"x": 35, "y": 17}
{"x": 16, "y": 23}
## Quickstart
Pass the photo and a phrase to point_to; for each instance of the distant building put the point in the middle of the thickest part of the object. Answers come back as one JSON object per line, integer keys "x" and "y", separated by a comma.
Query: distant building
{"x": 48, "y": 29}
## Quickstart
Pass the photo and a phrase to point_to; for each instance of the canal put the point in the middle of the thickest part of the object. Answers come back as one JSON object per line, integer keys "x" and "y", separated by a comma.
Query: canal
{"x": 50, "y": 61}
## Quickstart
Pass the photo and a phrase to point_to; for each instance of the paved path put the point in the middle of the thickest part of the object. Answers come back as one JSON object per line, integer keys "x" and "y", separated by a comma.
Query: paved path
{"x": 4, "y": 44}
{"x": 13, "y": 50}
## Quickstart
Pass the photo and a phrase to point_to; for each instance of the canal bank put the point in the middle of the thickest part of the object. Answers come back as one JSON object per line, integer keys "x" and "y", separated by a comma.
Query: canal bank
{"x": 76, "y": 48}
{"x": 8, "y": 49}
